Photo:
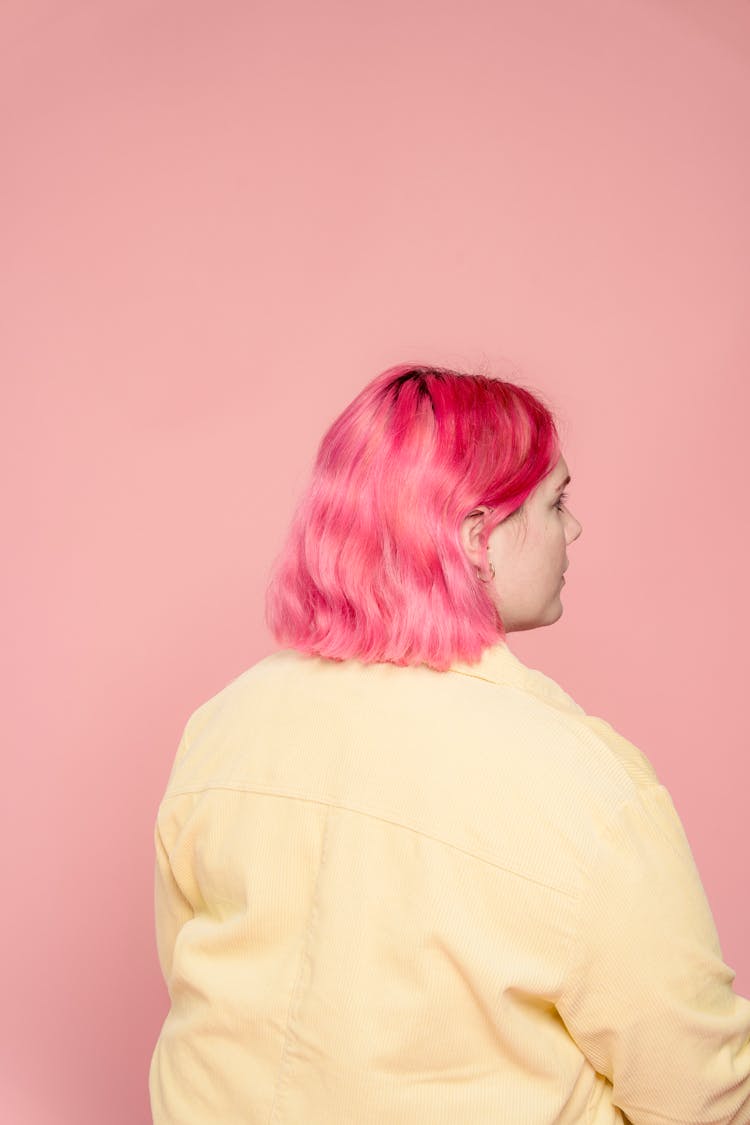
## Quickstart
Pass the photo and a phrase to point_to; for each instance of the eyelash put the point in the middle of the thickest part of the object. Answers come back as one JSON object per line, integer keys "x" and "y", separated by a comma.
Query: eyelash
{"x": 562, "y": 498}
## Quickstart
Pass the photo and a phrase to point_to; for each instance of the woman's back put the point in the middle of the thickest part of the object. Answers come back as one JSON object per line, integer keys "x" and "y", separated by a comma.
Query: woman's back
{"x": 395, "y": 895}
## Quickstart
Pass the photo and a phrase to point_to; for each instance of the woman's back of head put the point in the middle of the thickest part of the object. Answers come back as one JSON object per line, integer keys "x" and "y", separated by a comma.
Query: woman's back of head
{"x": 373, "y": 567}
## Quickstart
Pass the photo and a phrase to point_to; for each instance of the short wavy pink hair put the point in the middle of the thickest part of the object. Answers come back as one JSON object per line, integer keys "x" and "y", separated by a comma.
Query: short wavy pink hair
{"x": 373, "y": 568}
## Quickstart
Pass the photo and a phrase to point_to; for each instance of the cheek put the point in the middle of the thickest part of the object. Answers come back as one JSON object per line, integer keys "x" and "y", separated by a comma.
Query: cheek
{"x": 557, "y": 544}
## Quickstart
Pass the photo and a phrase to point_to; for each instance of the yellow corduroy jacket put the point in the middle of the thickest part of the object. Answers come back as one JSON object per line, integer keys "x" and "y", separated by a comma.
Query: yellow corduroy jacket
{"x": 394, "y": 896}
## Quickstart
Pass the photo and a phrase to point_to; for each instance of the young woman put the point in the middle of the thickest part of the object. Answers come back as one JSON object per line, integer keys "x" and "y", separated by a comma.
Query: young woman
{"x": 402, "y": 878}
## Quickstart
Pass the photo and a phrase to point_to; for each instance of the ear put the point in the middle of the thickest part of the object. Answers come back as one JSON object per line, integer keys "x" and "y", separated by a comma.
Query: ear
{"x": 471, "y": 530}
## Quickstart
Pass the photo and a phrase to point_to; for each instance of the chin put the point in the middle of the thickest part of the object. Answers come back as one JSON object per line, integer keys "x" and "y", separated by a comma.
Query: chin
{"x": 557, "y": 612}
{"x": 534, "y": 623}
{"x": 548, "y": 616}
{"x": 554, "y": 613}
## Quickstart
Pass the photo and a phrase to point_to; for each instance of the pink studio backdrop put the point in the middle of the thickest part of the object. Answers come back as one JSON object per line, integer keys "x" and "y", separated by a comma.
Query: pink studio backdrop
{"x": 220, "y": 220}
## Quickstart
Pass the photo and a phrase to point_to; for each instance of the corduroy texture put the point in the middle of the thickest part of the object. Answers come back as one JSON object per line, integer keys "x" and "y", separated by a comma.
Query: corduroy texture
{"x": 394, "y": 896}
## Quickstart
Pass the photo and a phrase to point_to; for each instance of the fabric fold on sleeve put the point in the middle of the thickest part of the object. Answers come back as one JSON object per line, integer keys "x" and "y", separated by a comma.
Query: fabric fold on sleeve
{"x": 648, "y": 997}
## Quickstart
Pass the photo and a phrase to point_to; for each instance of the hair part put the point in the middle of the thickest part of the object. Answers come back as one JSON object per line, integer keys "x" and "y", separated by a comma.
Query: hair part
{"x": 373, "y": 567}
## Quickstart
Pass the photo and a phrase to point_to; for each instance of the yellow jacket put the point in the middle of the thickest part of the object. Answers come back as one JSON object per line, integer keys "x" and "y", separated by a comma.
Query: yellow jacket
{"x": 396, "y": 896}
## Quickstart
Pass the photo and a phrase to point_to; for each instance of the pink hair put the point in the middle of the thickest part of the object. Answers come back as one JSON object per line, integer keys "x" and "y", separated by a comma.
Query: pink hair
{"x": 373, "y": 568}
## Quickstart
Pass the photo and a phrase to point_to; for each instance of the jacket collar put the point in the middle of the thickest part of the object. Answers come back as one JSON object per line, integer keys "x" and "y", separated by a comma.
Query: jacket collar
{"x": 498, "y": 665}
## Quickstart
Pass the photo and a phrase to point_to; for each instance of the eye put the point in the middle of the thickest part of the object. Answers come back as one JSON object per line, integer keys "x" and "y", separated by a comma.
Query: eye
{"x": 561, "y": 501}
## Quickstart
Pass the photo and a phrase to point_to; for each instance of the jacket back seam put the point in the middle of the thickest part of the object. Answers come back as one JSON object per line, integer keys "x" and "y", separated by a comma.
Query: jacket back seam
{"x": 362, "y": 811}
{"x": 298, "y": 991}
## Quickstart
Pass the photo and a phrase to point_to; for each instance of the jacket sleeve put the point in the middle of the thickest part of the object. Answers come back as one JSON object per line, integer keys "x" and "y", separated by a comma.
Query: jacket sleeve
{"x": 648, "y": 997}
{"x": 171, "y": 908}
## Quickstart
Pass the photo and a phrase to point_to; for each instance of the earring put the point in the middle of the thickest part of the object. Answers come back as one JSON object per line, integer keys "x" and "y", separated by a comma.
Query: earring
{"x": 492, "y": 572}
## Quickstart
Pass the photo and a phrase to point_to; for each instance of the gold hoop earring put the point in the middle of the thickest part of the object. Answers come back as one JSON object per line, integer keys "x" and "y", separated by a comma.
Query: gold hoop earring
{"x": 492, "y": 573}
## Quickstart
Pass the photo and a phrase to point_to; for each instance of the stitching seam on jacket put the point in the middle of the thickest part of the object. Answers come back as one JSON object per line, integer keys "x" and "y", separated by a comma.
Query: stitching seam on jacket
{"x": 573, "y": 723}
{"x": 298, "y": 990}
{"x": 239, "y": 788}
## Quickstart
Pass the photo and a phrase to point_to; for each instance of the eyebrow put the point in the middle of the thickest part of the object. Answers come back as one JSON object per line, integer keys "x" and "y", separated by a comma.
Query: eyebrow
{"x": 560, "y": 487}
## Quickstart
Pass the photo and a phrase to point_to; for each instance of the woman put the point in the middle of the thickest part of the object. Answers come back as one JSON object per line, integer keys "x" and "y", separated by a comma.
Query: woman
{"x": 403, "y": 879}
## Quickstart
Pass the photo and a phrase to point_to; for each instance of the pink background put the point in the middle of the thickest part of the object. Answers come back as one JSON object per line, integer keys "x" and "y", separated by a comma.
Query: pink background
{"x": 220, "y": 220}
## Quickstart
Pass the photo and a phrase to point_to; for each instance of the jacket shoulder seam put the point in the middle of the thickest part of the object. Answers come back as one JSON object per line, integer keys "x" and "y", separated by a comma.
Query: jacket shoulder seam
{"x": 575, "y": 725}
{"x": 361, "y": 810}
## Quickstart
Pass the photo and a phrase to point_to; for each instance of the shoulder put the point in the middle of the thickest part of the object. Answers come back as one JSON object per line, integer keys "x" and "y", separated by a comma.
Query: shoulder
{"x": 556, "y": 719}
{"x": 505, "y": 770}
{"x": 519, "y": 700}
{"x": 425, "y": 723}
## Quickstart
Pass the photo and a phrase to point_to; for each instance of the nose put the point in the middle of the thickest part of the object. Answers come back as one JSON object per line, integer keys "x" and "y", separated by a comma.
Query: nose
{"x": 574, "y": 529}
